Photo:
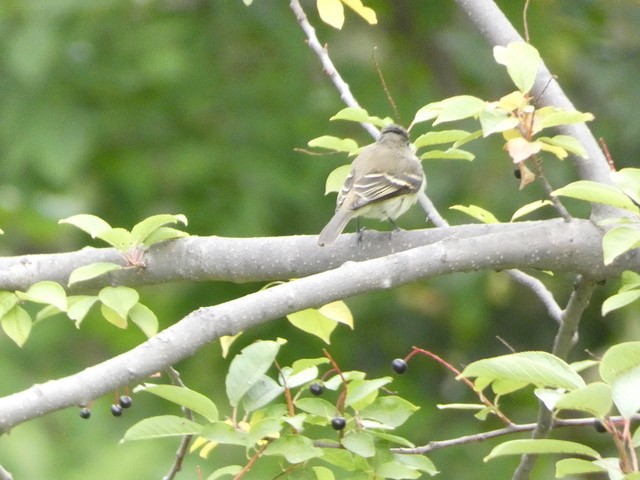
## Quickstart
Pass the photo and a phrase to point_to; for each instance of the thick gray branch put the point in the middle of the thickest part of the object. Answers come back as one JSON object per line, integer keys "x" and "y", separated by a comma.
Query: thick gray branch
{"x": 546, "y": 245}
{"x": 266, "y": 259}
{"x": 497, "y": 30}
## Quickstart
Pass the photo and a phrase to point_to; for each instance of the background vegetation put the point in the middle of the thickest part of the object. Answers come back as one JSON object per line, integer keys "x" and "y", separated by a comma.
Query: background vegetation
{"x": 126, "y": 109}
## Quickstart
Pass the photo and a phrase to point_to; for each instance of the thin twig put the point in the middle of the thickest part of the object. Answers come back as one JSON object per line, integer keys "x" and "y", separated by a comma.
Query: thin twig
{"x": 564, "y": 341}
{"x": 537, "y": 287}
{"x": 251, "y": 461}
{"x": 549, "y": 190}
{"x": 525, "y": 21}
{"x": 385, "y": 87}
{"x": 327, "y": 64}
{"x": 183, "y": 449}
{"x": 508, "y": 430}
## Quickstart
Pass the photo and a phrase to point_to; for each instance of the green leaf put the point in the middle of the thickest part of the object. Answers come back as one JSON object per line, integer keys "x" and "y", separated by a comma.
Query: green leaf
{"x": 314, "y": 322}
{"x": 90, "y": 224}
{"x": 226, "y": 341}
{"x": 323, "y": 473}
{"x": 248, "y": 367}
{"x": 316, "y": 406}
{"x": 194, "y": 401}
{"x": 619, "y": 300}
{"x": 495, "y": 120}
{"x": 396, "y": 470}
{"x": 231, "y": 470}
{"x": 356, "y": 114}
{"x": 119, "y": 299}
{"x": 336, "y": 179}
{"x": 630, "y": 280}
{"x": 458, "y": 108}
{"x": 337, "y": 311}
{"x": 146, "y": 227}
{"x": 293, "y": 380}
{"x": 163, "y": 234}
{"x": 16, "y": 323}
{"x": 476, "y": 212}
{"x": 334, "y": 143}
{"x": 597, "y": 193}
{"x": 161, "y": 427}
{"x": 79, "y": 306}
{"x": 113, "y": 317}
{"x": 390, "y": 411}
{"x": 46, "y": 292}
{"x": 263, "y": 428}
{"x": 82, "y": 274}
{"x": 449, "y": 154}
{"x": 7, "y": 301}
{"x": 538, "y": 368}
{"x": 618, "y": 241}
{"x": 305, "y": 363}
{"x": 118, "y": 238}
{"x": 223, "y": 432}
{"x": 359, "y": 443}
{"x": 46, "y": 312}
{"x": 428, "y": 112}
{"x": 594, "y": 399}
{"x": 361, "y": 393}
{"x": 566, "y": 142}
{"x": 145, "y": 319}
{"x": 620, "y": 368}
{"x": 261, "y": 393}
{"x": 295, "y": 448}
{"x": 367, "y": 13}
{"x": 331, "y": 12}
{"x": 522, "y": 62}
{"x": 387, "y": 437}
{"x": 530, "y": 207}
{"x": 418, "y": 462}
{"x": 547, "y": 117}
{"x": 628, "y": 180}
{"x": 439, "y": 138}
{"x": 576, "y": 466}
{"x": 521, "y": 447}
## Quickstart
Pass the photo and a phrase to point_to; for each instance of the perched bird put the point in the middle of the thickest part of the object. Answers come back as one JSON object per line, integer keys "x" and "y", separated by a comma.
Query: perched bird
{"x": 384, "y": 181}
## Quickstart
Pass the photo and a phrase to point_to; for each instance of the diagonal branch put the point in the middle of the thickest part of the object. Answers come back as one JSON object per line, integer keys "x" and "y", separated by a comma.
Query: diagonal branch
{"x": 495, "y": 251}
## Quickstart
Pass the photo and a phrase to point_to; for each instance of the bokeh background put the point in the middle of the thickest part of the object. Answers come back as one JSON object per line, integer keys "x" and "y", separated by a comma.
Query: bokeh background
{"x": 128, "y": 108}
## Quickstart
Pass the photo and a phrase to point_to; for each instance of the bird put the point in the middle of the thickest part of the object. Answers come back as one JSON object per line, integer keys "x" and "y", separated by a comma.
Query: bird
{"x": 384, "y": 182}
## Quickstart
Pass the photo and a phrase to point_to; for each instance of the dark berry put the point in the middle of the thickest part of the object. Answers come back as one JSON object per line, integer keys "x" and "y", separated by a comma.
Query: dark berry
{"x": 399, "y": 366}
{"x": 85, "y": 413}
{"x": 599, "y": 426}
{"x": 316, "y": 389}
{"x": 125, "y": 401}
{"x": 517, "y": 174}
{"x": 116, "y": 410}
{"x": 338, "y": 423}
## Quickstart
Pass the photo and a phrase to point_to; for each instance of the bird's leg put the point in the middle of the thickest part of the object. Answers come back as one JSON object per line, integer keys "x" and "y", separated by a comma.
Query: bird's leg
{"x": 359, "y": 230}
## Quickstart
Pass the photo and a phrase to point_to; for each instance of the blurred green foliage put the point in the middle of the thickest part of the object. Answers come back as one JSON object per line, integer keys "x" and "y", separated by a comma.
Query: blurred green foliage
{"x": 125, "y": 109}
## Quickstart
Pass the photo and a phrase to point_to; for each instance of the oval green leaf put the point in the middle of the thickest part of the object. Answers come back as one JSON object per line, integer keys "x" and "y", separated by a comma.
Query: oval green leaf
{"x": 618, "y": 241}
{"x": 161, "y": 427}
{"x": 522, "y": 61}
{"x": 17, "y": 324}
{"x": 119, "y": 299}
{"x": 597, "y": 193}
{"x": 46, "y": 292}
{"x": 248, "y": 367}
{"x": 145, "y": 319}
{"x": 90, "y": 224}
{"x": 82, "y": 274}
{"x": 184, "y": 396}
{"x": 537, "y": 447}
{"x": 334, "y": 143}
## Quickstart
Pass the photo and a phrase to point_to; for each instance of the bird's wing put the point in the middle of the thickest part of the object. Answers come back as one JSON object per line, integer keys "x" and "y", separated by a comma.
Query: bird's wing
{"x": 375, "y": 187}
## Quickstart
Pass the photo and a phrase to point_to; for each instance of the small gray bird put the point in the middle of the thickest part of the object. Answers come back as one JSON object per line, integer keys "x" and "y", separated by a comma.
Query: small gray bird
{"x": 384, "y": 182}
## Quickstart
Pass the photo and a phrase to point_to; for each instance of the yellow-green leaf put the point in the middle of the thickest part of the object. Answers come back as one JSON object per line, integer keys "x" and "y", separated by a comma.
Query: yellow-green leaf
{"x": 331, "y": 12}
{"x": 16, "y": 323}
{"x": 619, "y": 240}
{"x": 334, "y": 143}
{"x": 336, "y": 179}
{"x": 338, "y": 311}
{"x": 46, "y": 292}
{"x": 91, "y": 224}
{"x": 82, "y": 274}
{"x": 313, "y": 322}
{"x": 520, "y": 447}
{"x": 365, "y": 12}
{"x": 145, "y": 319}
{"x": 522, "y": 61}
{"x": 530, "y": 207}
{"x": 476, "y": 212}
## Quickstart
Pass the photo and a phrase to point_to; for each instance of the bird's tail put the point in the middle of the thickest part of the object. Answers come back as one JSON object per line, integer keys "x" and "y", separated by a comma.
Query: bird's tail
{"x": 335, "y": 227}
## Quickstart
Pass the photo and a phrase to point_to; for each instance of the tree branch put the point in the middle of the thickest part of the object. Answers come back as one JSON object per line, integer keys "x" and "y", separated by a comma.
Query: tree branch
{"x": 497, "y": 30}
{"x": 266, "y": 259}
{"x": 553, "y": 244}
{"x": 564, "y": 341}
